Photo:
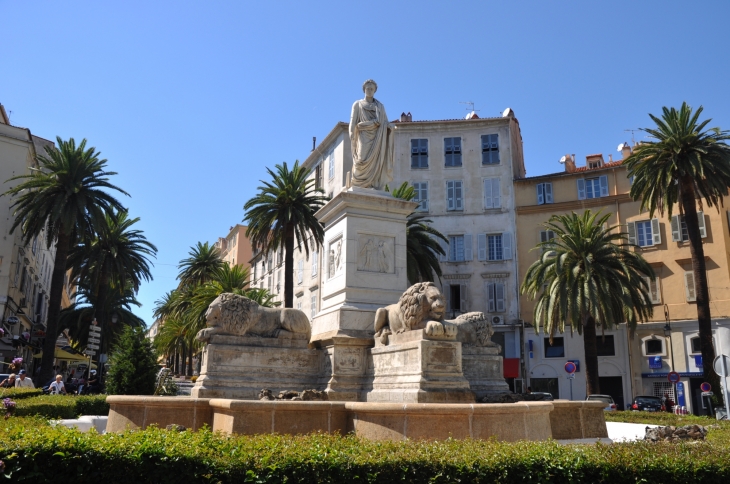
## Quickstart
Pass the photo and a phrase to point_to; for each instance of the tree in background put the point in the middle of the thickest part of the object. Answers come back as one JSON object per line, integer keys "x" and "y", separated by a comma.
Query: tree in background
{"x": 587, "y": 276}
{"x": 682, "y": 164}
{"x": 281, "y": 215}
{"x": 422, "y": 248}
{"x": 133, "y": 364}
{"x": 204, "y": 260}
{"x": 65, "y": 195}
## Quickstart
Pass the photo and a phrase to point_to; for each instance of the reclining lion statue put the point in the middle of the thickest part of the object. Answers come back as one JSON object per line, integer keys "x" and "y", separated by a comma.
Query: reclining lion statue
{"x": 231, "y": 314}
{"x": 422, "y": 306}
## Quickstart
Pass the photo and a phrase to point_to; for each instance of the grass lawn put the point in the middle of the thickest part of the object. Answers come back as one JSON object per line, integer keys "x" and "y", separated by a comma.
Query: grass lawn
{"x": 719, "y": 431}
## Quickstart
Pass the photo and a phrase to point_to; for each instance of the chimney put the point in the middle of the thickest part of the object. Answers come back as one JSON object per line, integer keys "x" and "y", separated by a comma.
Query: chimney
{"x": 625, "y": 150}
{"x": 410, "y": 116}
{"x": 569, "y": 163}
{"x": 403, "y": 117}
{"x": 314, "y": 142}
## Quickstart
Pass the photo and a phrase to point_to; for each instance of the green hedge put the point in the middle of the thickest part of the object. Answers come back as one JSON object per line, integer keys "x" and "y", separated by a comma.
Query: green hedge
{"x": 19, "y": 393}
{"x": 34, "y": 453}
{"x": 62, "y": 406}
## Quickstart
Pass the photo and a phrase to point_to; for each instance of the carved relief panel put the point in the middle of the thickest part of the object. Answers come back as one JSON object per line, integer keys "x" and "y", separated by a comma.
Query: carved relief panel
{"x": 335, "y": 256}
{"x": 375, "y": 253}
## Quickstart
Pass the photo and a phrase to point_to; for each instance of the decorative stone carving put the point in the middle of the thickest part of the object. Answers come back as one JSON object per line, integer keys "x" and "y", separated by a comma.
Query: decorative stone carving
{"x": 375, "y": 254}
{"x": 335, "y": 257}
{"x": 372, "y": 141}
{"x": 231, "y": 314}
{"x": 422, "y": 306}
{"x": 474, "y": 329}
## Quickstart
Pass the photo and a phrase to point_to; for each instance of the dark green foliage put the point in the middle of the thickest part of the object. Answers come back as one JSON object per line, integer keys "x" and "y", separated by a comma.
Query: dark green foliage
{"x": 133, "y": 365}
{"x": 18, "y": 393}
{"x": 61, "y": 406}
{"x": 35, "y": 453}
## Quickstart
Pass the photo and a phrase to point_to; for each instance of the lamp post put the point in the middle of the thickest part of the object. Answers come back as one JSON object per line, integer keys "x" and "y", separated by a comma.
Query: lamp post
{"x": 668, "y": 333}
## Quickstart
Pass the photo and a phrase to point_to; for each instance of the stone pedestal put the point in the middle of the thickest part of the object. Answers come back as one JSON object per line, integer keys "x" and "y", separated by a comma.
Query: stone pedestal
{"x": 364, "y": 269}
{"x": 483, "y": 368}
{"x": 414, "y": 369}
{"x": 240, "y": 366}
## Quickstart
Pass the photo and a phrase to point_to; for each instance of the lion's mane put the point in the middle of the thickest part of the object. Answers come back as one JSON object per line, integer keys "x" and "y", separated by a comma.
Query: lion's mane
{"x": 414, "y": 303}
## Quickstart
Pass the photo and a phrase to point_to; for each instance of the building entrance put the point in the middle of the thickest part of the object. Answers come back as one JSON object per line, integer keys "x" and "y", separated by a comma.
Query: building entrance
{"x": 614, "y": 386}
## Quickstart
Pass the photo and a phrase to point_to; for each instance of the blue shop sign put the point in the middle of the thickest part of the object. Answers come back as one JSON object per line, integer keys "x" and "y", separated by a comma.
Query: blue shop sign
{"x": 681, "y": 400}
{"x": 655, "y": 362}
{"x": 698, "y": 361}
{"x": 664, "y": 374}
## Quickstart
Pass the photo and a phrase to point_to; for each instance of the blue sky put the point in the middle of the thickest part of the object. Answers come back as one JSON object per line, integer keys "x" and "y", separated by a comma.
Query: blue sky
{"x": 190, "y": 101}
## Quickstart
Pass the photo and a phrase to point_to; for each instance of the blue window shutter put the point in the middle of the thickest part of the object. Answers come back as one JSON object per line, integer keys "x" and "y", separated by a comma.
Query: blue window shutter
{"x": 603, "y": 181}
{"x": 581, "y": 189}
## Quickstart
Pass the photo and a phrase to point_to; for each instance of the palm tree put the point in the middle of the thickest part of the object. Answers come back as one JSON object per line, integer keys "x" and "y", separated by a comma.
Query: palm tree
{"x": 587, "y": 276}
{"x": 282, "y": 214}
{"x": 204, "y": 260}
{"x": 114, "y": 256}
{"x": 422, "y": 248}
{"x": 64, "y": 195}
{"x": 684, "y": 163}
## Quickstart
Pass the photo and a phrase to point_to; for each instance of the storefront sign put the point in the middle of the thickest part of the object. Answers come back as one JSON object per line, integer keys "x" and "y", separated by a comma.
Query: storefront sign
{"x": 655, "y": 362}
{"x": 665, "y": 374}
{"x": 681, "y": 401}
{"x": 698, "y": 361}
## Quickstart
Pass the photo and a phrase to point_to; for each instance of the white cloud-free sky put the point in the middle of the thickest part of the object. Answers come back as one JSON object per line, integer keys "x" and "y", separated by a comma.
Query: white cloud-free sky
{"x": 189, "y": 101}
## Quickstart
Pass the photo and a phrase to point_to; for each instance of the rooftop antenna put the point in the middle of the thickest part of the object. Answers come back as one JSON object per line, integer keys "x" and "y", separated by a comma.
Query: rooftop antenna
{"x": 471, "y": 104}
{"x": 632, "y": 131}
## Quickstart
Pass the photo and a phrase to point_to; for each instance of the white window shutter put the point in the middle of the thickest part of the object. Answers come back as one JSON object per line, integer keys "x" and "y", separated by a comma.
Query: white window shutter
{"x": 632, "y": 232}
{"x": 424, "y": 195}
{"x": 540, "y": 193}
{"x": 581, "y": 189}
{"x": 491, "y": 297}
{"x": 447, "y": 296}
{"x": 543, "y": 236}
{"x": 464, "y": 298}
{"x": 482, "y": 246}
{"x": 689, "y": 286}
{"x": 676, "y": 229}
{"x": 468, "y": 255}
{"x": 496, "y": 202}
{"x": 656, "y": 232}
{"x": 656, "y": 295}
{"x": 488, "y": 193}
{"x": 701, "y": 222}
{"x": 603, "y": 181}
{"x": 315, "y": 262}
{"x": 450, "y": 195}
{"x": 506, "y": 246}
{"x": 499, "y": 296}
{"x": 445, "y": 246}
{"x": 548, "y": 193}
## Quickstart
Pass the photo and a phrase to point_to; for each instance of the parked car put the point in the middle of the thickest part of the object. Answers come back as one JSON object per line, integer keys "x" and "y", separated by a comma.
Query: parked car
{"x": 544, "y": 396}
{"x": 647, "y": 403}
{"x": 607, "y": 399}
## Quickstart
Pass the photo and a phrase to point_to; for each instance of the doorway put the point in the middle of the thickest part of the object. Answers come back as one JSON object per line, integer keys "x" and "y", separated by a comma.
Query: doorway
{"x": 614, "y": 386}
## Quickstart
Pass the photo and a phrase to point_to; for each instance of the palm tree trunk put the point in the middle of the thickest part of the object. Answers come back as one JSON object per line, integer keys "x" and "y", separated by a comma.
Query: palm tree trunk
{"x": 591, "y": 351}
{"x": 697, "y": 251}
{"x": 289, "y": 267}
{"x": 177, "y": 360}
{"x": 183, "y": 359}
{"x": 63, "y": 244}
{"x": 190, "y": 363}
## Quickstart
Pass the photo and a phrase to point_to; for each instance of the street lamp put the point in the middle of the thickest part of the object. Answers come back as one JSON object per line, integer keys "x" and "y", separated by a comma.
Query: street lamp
{"x": 668, "y": 333}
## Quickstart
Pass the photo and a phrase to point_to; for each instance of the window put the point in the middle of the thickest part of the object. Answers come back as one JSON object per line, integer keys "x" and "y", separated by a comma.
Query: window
{"x": 18, "y": 266}
{"x": 494, "y": 246}
{"x": 592, "y": 187}
{"x": 315, "y": 263}
{"x": 655, "y": 294}
{"x": 490, "y": 149}
{"x": 254, "y": 271}
{"x": 300, "y": 271}
{"x": 421, "y": 189}
{"x": 331, "y": 164}
{"x": 318, "y": 176}
{"x": 605, "y": 345}
{"x": 689, "y": 286}
{"x": 546, "y": 385}
{"x": 268, "y": 283}
{"x": 495, "y": 296}
{"x": 491, "y": 193}
{"x": 544, "y": 193}
{"x": 455, "y": 297}
{"x": 679, "y": 227}
{"x": 460, "y": 248}
{"x": 654, "y": 347}
{"x": 546, "y": 236}
{"x": 313, "y": 307}
{"x": 645, "y": 233}
{"x": 35, "y": 244}
{"x": 419, "y": 153}
{"x": 557, "y": 350}
{"x": 452, "y": 151}
{"x": 696, "y": 344}
{"x": 299, "y": 304}
{"x": 454, "y": 195}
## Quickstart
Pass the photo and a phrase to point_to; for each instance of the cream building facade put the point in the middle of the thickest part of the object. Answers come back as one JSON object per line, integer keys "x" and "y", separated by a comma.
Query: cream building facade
{"x": 25, "y": 269}
{"x": 235, "y": 248}
{"x": 638, "y": 365}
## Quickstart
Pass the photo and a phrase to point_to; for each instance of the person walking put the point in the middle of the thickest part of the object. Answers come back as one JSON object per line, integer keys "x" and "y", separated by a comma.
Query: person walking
{"x": 23, "y": 381}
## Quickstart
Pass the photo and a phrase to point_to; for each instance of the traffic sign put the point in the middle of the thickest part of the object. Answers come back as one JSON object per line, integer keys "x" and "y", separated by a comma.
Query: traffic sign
{"x": 94, "y": 328}
{"x": 93, "y": 347}
{"x": 12, "y": 320}
{"x": 673, "y": 377}
{"x": 570, "y": 367}
{"x": 89, "y": 352}
{"x": 94, "y": 340}
{"x": 721, "y": 364}
{"x": 705, "y": 387}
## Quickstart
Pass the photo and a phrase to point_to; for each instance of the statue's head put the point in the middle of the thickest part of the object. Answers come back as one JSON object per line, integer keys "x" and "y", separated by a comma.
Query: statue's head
{"x": 369, "y": 84}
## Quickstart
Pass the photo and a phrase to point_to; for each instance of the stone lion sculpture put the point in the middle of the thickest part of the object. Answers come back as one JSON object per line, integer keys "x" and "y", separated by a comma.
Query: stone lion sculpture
{"x": 231, "y": 314}
{"x": 422, "y": 306}
{"x": 474, "y": 329}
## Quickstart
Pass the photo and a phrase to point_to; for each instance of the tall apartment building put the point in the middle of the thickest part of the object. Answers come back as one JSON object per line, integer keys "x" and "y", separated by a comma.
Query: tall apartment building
{"x": 638, "y": 365}
{"x": 235, "y": 248}
{"x": 462, "y": 170}
{"x": 25, "y": 269}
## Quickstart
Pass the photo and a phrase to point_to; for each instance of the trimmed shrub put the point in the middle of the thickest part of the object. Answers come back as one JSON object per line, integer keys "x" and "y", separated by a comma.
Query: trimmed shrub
{"x": 132, "y": 365}
{"x": 34, "y": 452}
{"x": 18, "y": 393}
{"x": 62, "y": 406}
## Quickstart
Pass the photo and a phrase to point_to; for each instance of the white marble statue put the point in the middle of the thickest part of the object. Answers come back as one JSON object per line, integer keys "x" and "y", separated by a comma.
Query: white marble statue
{"x": 372, "y": 141}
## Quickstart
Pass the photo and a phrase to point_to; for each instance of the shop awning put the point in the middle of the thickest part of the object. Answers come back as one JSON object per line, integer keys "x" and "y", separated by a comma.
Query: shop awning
{"x": 511, "y": 367}
{"x": 63, "y": 355}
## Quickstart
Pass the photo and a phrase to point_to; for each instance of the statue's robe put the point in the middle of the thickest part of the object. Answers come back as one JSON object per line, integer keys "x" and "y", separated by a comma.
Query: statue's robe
{"x": 372, "y": 146}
